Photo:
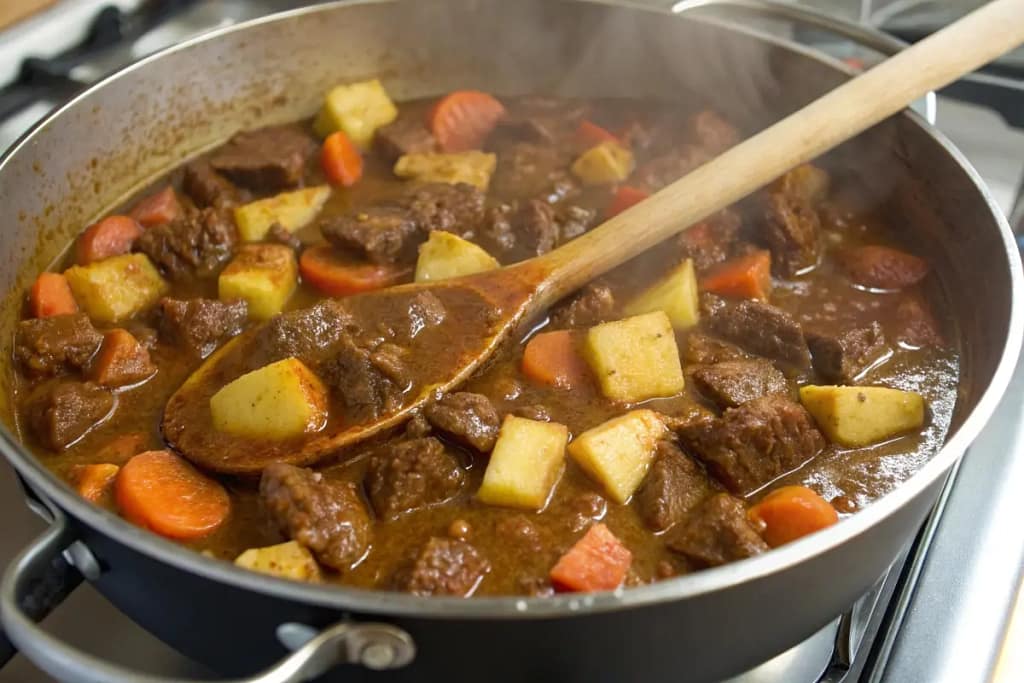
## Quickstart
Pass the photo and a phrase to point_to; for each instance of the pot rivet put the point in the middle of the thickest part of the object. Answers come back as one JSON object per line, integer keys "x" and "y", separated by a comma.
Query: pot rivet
{"x": 81, "y": 558}
{"x": 377, "y": 656}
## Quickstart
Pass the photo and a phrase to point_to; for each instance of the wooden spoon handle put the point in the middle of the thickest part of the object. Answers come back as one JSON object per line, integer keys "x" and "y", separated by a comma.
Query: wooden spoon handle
{"x": 836, "y": 117}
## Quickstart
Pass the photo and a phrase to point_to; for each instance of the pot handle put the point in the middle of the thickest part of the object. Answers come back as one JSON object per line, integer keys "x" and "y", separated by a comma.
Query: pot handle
{"x": 39, "y": 578}
{"x": 865, "y": 36}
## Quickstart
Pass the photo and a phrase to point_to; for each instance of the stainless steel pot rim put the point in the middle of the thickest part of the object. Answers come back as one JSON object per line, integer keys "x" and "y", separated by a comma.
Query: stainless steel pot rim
{"x": 683, "y": 587}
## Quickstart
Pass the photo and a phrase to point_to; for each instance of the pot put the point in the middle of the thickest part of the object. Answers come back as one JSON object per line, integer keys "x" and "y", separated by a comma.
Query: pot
{"x": 121, "y": 134}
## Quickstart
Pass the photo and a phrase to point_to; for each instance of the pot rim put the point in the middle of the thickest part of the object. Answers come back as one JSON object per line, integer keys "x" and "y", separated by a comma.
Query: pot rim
{"x": 708, "y": 581}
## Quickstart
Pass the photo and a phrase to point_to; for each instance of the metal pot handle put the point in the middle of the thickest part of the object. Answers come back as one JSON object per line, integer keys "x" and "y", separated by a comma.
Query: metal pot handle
{"x": 40, "y": 577}
{"x": 865, "y": 36}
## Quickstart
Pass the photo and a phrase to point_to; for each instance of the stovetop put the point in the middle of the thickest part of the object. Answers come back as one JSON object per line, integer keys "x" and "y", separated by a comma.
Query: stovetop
{"x": 944, "y": 610}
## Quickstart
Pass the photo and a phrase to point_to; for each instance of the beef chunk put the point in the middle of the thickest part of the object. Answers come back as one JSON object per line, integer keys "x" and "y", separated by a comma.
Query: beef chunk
{"x": 535, "y": 226}
{"x": 529, "y": 170}
{"x": 753, "y": 444}
{"x": 881, "y": 267}
{"x": 445, "y": 567}
{"x": 195, "y": 245}
{"x": 713, "y": 132}
{"x": 326, "y": 516}
{"x": 382, "y": 234}
{"x": 281, "y": 235}
{"x": 497, "y": 227}
{"x": 710, "y": 242}
{"x": 542, "y": 119}
{"x": 306, "y": 333}
{"x": 368, "y": 378}
{"x": 265, "y": 160}
{"x": 466, "y": 417}
{"x": 405, "y": 135}
{"x": 840, "y": 357}
{"x": 671, "y": 166}
{"x": 792, "y": 231}
{"x": 425, "y": 311}
{"x": 674, "y": 485}
{"x": 573, "y": 221}
{"x": 417, "y": 427}
{"x": 761, "y": 329}
{"x": 591, "y": 305}
{"x": 719, "y": 532}
{"x": 201, "y": 325}
{"x": 209, "y": 189}
{"x": 731, "y": 383}
{"x": 60, "y": 412}
{"x": 456, "y": 208}
{"x": 917, "y": 325}
{"x": 60, "y": 343}
{"x": 704, "y": 350}
{"x": 410, "y": 475}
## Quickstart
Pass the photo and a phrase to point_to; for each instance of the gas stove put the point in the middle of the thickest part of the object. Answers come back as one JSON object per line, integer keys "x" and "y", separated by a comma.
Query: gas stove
{"x": 945, "y": 611}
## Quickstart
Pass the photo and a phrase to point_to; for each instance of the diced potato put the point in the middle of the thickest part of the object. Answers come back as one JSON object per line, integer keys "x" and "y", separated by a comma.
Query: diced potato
{"x": 265, "y": 275}
{"x": 287, "y": 560}
{"x": 861, "y": 416}
{"x": 635, "y": 358}
{"x": 473, "y": 167}
{"x": 292, "y": 210}
{"x": 445, "y": 255}
{"x": 618, "y": 453}
{"x": 604, "y": 164}
{"x": 278, "y": 401}
{"x": 358, "y": 109}
{"x": 116, "y": 288}
{"x": 675, "y": 293}
{"x": 527, "y": 460}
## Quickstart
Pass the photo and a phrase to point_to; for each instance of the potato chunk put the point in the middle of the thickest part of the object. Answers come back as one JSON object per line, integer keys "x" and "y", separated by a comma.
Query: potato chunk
{"x": 264, "y": 275}
{"x": 291, "y": 210}
{"x": 635, "y": 358}
{"x": 861, "y": 416}
{"x": 473, "y": 167}
{"x": 604, "y": 164}
{"x": 358, "y": 109}
{"x": 527, "y": 460}
{"x": 116, "y": 288}
{"x": 618, "y": 453}
{"x": 287, "y": 560}
{"x": 278, "y": 401}
{"x": 445, "y": 255}
{"x": 675, "y": 294}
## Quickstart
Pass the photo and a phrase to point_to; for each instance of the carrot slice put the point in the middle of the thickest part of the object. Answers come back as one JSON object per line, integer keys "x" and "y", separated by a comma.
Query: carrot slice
{"x": 881, "y": 267}
{"x": 589, "y": 134}
{"x": 161, "y": 492}
{"x": 112, "y": 236}
{"x": 121, "y": 448}
{"x": 336, "y": 274}
{"x": 157, "y": 209}
{"x": 598, "y": 562}
{"x": 625, "y": 197}
{"x": 791, "y": 512}
{"x": 121, "y": 360}
{"x": 93, "y": 482}
{"x": 341, "y": 160}
{"x": 744, "y": 277}
{"x": 552, "y": 358}
{"x": 51, "y": 295}
{"x": 462, "y": 120}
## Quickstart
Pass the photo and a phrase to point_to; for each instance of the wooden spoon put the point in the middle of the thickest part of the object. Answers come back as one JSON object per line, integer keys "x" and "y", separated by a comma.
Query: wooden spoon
{"x": 518, "y": 292}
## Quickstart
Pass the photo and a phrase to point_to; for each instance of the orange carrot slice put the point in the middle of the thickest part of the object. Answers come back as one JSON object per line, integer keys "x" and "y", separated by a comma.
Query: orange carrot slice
{"x": 462, "y": 120}
{"x": 791, "y": 512}
{"x": 552, "y": 358}
{"x": 336, "y": 274}
{"x": 157, "y": 209}
{"x": 51, "y": 295}
{"x": 744, "y": 277}
{"x": 112, "y": 236}
{"x": 598, "y": 562}
{"x": 341, "y": 160}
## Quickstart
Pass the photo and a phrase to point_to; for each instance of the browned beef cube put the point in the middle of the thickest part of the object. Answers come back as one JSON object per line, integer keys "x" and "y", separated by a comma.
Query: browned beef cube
{"x": 445, "y": 567}
{"x": 209, "y": 189}
{"x": 201, "y": 325}
{"x": 573, "y": 221}
{"x": 840, "y": 357}
{"x": 734, "y": 382}
{"x": 591, "y": 305}
{"x": 538, "y": 171}
{"x": 917, "y": 326}
{"x": 265, "y": 160}
{"x": 369, "y": 379}
{"x": 198, "y": 244}
{"x": 760, "y": 328}
{"x": 324, "y": 515}
{"x": 466, "y": 417}
{"x": 60, "y": 412}
{"x": 405, "y": 135}
{"x": 717, "y": 533}
{"x": 456, "y": 208}
{"x": 425, "y": 310}
{"x": 60, "y": 343}
{"x": 535, "y": 227}
{"x": 382, "y": 234}
{"x": 880, "y": 267}
{"x": 537, "y": 118}
{"x": 306, "y": 333}
{"x": 792, "y": 231}
{"x": 704, "y": 350}
{"x": 674, "y": 485}
{"x": 497, "y": 229}
{"x": 711, "y": 241}
{"x": 670, "y": 166}
{"x": 409, "y": 475}
{"x": 753, "y": 444}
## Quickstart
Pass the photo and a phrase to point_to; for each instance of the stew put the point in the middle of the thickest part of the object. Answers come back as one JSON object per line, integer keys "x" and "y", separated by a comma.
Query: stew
{"x": 754, "y": 380}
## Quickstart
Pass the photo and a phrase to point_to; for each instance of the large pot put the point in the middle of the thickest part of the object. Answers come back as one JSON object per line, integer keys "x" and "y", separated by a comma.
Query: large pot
{"x": 119, "y": 135}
